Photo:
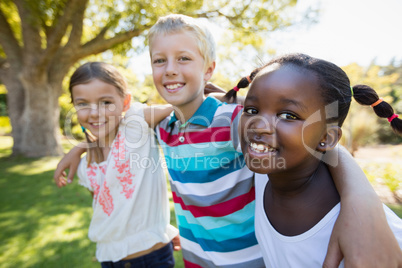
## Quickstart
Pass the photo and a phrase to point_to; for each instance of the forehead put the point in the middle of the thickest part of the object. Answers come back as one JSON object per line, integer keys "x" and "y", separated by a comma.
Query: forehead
{"x": 94, "y": 88}
{"x": 180, "y": 38}
{"x": 285, "y": 78}
{"x": 285, "y": 84}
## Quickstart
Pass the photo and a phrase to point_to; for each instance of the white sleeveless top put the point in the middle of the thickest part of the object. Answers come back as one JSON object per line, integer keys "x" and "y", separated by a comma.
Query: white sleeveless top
{"x": 307, "y": 249}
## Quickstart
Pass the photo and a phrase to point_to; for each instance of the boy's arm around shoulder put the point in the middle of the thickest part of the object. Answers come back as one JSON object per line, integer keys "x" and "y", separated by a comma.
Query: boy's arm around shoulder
{"x": 69, "y": 162}
{"x": 361, "y": 234}
{"x": 155, "y": 113}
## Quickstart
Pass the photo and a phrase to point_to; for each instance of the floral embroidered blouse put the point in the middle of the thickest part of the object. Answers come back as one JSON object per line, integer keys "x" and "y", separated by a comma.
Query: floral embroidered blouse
{"x": 130, "y": 202}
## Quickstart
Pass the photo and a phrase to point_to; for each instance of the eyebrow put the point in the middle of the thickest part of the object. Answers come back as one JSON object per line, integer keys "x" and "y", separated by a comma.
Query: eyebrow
{"x": 284, "y": 101}
{"x": 79, "y": 99}
{"x": 293, "y": 102}
{"x": 101, "y": 98}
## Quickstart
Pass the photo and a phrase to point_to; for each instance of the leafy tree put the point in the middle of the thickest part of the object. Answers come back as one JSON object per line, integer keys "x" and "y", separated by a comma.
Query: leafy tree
{"x": 41, "y": 40}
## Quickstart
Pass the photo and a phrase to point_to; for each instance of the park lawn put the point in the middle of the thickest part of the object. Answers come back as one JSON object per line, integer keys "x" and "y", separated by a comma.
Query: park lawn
{"x": 42, "y": 225}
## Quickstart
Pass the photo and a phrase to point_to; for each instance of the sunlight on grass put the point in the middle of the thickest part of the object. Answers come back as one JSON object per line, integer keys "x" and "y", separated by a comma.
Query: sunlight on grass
{"x": 36, "y": 166}
{"x": 6, "y": 142}
{"x": 62, "y": 228}
{"x": 43, "y": 226}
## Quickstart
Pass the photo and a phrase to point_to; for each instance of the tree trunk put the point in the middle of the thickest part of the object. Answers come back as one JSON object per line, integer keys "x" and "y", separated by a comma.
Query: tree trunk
{"x": 37, "y": 128}
{"x": 15, "y": 104}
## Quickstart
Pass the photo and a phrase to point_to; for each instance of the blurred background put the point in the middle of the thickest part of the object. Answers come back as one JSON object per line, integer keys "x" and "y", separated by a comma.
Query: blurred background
{"x": 43, "y": 41}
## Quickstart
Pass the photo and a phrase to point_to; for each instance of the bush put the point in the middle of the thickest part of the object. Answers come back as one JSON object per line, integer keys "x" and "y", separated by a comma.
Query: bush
{"x": 5, "y": 125}
{"x": 391, "y": 179}
{"x": 3, "y": 105}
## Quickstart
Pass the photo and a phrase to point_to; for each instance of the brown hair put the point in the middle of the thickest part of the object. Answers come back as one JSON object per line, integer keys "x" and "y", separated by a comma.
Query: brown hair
{"x": 108, "y": 74}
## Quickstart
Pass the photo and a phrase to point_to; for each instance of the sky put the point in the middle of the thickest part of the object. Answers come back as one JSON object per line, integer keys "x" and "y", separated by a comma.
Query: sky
{"x": 347, "y": 31}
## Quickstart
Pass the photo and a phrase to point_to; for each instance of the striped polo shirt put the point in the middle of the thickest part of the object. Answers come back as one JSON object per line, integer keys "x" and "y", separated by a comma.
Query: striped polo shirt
{"x": 213, "y": 190}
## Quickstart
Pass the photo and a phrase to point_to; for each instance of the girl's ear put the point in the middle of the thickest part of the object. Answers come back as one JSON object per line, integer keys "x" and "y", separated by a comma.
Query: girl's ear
{"x": 209, "y": 71}
{"x": 127, "y": 102}
{"x": 330, "y": 139}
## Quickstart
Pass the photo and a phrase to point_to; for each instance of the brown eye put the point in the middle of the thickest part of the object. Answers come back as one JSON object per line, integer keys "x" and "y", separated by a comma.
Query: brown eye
{"x": 287, "y": 116}
{"x": 250, "y": 111}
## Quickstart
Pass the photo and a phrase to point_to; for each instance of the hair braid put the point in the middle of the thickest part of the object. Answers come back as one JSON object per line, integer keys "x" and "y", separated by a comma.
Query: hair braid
{"x": 244, "y": 82}
{"x": 365, "y": 95}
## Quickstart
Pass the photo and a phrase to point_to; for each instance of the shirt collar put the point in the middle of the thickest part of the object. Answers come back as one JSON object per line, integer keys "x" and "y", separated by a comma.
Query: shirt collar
{"x": 204, "y": 114}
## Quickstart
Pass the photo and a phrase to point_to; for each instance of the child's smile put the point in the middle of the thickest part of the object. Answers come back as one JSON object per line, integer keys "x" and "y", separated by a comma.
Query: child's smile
{"x": 174, "y": 87}
{"x": 262, "y": 148}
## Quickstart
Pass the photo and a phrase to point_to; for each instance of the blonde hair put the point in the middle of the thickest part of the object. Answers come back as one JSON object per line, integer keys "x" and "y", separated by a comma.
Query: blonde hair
{"x": 176, "y": 23}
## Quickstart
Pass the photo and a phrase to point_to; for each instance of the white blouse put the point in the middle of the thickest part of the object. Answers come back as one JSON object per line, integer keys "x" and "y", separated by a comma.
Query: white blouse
{"x": 130, "y": 205}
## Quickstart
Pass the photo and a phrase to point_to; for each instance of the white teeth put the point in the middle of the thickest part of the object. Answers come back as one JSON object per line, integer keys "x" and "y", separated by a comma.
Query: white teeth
{"x": 97, "y": 124}
{"x": 260, "y": 148}
{"x": 173, "y": 86}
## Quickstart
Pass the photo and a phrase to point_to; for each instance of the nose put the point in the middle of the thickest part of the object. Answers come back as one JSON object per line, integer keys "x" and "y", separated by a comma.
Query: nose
{"x": 263, "y": 125}
{"x": 94, "y": 110}
{"x": 171, "y": 68}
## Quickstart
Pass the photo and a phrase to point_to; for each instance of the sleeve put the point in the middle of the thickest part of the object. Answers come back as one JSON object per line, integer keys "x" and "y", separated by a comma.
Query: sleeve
{"x": 234, "y": 128}
{"x": 82, "y": 174}
{"x": 136, "y": 129}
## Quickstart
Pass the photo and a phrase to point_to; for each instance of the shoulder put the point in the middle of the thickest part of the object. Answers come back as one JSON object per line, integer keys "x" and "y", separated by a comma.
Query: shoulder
{"x": 229, "y": 111}
{"x": 134, "y": 117}
{"x": 136, "y": 108}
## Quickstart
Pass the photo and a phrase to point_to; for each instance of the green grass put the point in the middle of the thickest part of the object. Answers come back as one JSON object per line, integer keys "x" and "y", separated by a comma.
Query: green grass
{"x": 42, "y": 225}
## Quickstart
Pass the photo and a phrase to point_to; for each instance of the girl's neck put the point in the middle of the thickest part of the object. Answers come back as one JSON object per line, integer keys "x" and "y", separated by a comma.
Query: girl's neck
{"x": 290, "y": 182}
{"x": 294, "y": 210}
{"x": 106, "y": 142}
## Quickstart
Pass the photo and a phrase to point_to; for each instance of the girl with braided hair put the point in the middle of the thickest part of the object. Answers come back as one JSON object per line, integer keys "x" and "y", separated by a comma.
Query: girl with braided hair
{"x": 292, "y": 115}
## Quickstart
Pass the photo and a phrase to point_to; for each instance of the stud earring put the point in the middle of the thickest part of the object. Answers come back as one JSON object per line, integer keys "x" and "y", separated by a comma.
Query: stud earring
{"x": 322, "y": 144}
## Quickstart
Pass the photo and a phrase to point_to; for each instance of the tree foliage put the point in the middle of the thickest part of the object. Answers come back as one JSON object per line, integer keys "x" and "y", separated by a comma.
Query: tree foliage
{"x": 41, "y": 40}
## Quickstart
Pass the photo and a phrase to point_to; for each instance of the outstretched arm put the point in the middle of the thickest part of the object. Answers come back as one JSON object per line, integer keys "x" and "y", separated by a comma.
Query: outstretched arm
{"x": 69, "y": 162}
{"x": 361, "y": 234}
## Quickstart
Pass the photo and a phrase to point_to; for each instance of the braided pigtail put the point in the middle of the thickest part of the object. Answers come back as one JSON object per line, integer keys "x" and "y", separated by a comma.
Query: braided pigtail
{"x": 94, "y": 153}
{"x": 244, "y": 82}
{"x": 365, "y": 95}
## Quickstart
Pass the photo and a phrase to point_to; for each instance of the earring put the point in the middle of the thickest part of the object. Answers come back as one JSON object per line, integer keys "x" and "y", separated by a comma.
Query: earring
{"x": 322, "y": 144}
